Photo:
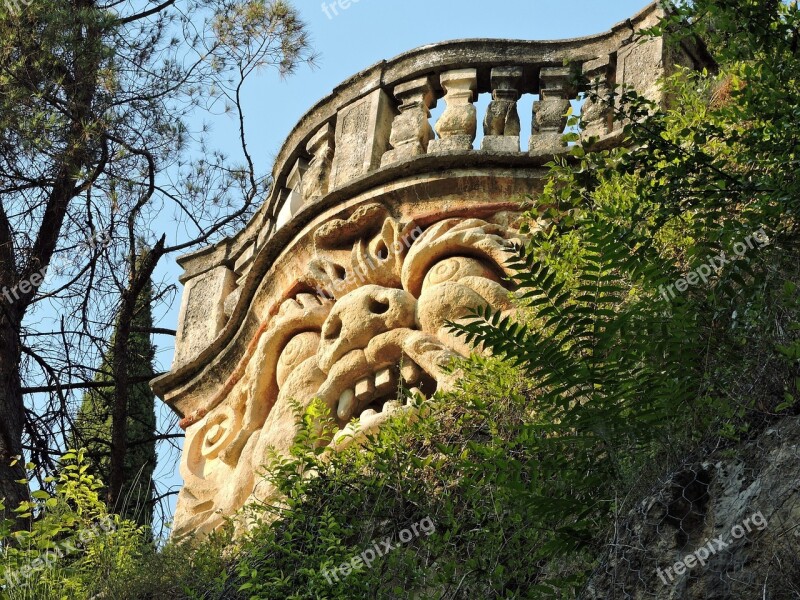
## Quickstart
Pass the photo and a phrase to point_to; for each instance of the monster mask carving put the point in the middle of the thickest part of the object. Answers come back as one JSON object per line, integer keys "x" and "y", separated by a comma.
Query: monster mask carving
{"x": 365, "y": 330}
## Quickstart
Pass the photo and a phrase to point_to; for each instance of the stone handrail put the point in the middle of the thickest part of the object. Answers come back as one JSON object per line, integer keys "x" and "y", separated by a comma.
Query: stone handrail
{"x": 378, "y": 122}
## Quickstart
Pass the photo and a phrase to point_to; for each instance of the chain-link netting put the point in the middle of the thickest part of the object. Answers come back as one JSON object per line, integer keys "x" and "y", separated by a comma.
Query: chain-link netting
{"x": 727, "y": 528}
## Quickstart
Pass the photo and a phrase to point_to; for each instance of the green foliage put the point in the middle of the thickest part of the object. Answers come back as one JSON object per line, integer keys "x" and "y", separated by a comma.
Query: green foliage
{"x": 473, "y": 467}
{"x": 619, "y": 367}
{"x": 175, "y": 571}
{"x": 76, "y": 549}
{"x": 611, "y": 366}
{"x": 73, "y": 542}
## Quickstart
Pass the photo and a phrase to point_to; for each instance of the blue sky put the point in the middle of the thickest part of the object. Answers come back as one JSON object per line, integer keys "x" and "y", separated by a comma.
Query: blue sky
{"x": 363, "y": 34}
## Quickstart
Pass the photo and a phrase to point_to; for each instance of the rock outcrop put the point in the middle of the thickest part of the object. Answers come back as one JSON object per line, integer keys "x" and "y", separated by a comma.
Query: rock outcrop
{"x": 725, "y": 528}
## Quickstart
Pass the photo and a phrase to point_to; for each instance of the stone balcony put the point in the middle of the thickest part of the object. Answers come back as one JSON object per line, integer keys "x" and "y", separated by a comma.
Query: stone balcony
{"x": 384, "y": 224}
{"x": 374, "y": 135}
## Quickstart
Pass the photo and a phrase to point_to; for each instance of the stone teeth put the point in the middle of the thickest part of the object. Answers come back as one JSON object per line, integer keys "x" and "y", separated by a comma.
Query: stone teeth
{"x": 367, "y": 417}
{"x": 365, "y": 391}
{"x": 391, "y": 406}
{"x": 412, "y": 395}
{"x": 385, "y": 381}
{"x": 345, "y": 434}
{"x": 347, "y": 405}
{"x": 410, "y": 372}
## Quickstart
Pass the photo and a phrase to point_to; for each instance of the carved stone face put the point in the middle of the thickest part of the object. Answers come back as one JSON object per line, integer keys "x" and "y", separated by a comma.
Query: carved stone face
{"x": 367, "y": 332}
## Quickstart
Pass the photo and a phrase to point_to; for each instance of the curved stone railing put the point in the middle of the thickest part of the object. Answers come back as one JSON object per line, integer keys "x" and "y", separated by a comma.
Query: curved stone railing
{"x": 377, "y": 124}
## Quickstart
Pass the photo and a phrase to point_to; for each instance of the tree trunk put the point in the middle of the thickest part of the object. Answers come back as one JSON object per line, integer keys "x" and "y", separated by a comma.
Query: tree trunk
{"x": 15, "y": 298}
{"x": 12, "y": 419}
{"x": 141, "y": 272}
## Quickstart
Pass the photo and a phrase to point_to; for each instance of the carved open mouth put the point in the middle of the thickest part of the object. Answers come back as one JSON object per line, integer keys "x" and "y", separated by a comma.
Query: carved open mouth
{"x": 387, "y": 390}
{"x": 368, "y": 386}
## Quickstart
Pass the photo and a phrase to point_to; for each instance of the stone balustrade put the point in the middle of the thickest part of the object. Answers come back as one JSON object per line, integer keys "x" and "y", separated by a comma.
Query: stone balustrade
{"x": 377, "y": 126}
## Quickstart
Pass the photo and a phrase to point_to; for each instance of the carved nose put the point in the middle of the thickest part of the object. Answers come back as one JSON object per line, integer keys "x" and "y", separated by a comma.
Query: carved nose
{"x": 360, "y": 316}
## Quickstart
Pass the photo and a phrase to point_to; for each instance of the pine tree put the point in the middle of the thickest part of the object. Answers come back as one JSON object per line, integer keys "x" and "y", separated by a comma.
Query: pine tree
{"x": 94, "y": 420}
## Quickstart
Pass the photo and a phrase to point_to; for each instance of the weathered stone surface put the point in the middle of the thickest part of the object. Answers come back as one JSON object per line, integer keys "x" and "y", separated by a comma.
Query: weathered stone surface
{"x": 597, "y": 114}
{"x": 640, "y": 65}
{"x": 500, "y": 143}
{"x": 362, "y": 136}
{"x": 411, "y": 130}
{"x": 550, "y": 112}
{"x": 501, "y": 127}
{"x": 244, "y": 260}
{"x": 379, "y": 292}
{"x": 317, "y": 177}
{"x": 458, "y": 125}
{"x": 295, "y": 180}
{"x": 713, "y": 509}
{"x": 292, "y": 197}
{"x": 231, "y": 301}
{"x": 202, "y": 312}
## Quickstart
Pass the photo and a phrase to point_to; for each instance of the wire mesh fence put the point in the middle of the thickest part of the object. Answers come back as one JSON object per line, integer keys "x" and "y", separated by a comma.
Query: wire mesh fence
{"x": 723, "y": 529}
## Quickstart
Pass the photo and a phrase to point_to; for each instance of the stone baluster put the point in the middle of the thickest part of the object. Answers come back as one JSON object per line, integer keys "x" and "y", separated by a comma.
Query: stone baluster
{"x": 597, "y": 116}
{"x": 501, "y": 126}
{"x": 317, "y": 177}
{"x": 458, "y": 125}
{"x": 550, "y": 112}
{"x": 411, "y": 130}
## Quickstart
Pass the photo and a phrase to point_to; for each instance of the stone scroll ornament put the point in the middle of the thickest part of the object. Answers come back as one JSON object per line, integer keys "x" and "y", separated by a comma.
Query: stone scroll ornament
{"x": 366, "y": 335}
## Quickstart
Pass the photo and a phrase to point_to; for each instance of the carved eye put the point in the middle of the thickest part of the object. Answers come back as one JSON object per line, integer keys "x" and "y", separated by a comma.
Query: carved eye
{"x": 378, "y": 307}
{"x": 340, "y": 271}
{"x": 455, "y": 268}
{"x": 300, "y": 348}
{"x": 382, "y": 252}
